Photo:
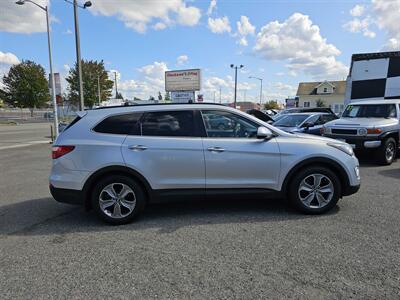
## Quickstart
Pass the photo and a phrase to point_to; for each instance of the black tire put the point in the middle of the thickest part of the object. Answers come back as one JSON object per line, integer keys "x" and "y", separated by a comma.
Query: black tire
{"x": 382, "y": 154}
{"x": 126, "y": 216}
{"x": 306, "y": 174}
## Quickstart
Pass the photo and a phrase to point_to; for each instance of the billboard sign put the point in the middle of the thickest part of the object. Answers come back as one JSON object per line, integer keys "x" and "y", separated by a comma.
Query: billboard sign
{"x": 182, "y": 97}
{"x": 183, "y": 80}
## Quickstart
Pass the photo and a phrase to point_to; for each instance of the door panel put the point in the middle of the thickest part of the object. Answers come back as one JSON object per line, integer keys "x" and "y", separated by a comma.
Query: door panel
{"x": 169, "y": 153}
{"x": 234, "y": 157}
{"x": 241, "y": 163}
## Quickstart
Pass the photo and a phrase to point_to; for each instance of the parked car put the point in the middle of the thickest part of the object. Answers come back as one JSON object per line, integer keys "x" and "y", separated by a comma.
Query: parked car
{"x": 296, "y": 110}
{"x": 310, "y": 123}
{"x": 217, "y": 122}
{"x": 260, "y": 115}
{"x": 116, "y": 161}
{"x": 372, "y": 125}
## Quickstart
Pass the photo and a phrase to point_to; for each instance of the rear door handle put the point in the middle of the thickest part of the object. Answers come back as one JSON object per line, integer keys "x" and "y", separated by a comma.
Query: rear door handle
{"x": 137, "y": 147}
{"x": 216, "y": 149}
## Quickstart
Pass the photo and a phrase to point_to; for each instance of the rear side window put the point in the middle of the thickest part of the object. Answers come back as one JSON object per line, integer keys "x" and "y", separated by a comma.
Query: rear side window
{"x": 169, "y": 123}
{"x": 74, "y": 121}
{"x": 120, "y": 124}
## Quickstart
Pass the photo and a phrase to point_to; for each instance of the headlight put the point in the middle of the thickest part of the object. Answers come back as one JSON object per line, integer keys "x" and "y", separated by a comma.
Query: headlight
{"x": 343, "y": 147}
{"x": 327, "y": 130}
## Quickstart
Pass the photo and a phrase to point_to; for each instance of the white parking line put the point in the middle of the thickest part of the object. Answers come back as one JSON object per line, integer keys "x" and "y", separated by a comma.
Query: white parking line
{"x": 24, "y": 144}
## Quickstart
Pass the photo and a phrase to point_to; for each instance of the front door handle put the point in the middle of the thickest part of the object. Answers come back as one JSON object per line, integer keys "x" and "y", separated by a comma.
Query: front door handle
{"x": 137, "y": 147}
{"x": 216, "y": 149}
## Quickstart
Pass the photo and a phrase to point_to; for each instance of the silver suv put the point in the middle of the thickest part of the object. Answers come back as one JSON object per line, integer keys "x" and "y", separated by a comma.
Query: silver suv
{"x": 116, "y": 160}
{"x": 372, "y": 125}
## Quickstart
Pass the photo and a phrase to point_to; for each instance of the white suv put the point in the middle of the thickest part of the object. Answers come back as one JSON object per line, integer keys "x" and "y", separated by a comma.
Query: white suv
{"x": 118, "y": 159}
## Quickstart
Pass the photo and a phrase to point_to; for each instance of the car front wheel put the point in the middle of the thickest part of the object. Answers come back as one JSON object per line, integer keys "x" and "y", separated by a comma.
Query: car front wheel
{"x": 314, "y": 190}
{"x": 387, "y": 152}
{"x": 118, "y": 199}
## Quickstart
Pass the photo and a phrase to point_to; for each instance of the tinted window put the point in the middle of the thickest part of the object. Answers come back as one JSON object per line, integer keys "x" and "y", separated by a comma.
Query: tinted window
{"x": 370, "y": 111}
{"x": 168, "y": 123}
{"x": 225, "y": 124}
{"x": 120, "y": 124}
{"x": 327, "y": 118}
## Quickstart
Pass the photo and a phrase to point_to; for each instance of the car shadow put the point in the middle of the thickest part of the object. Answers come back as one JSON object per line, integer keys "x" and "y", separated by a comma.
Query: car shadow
{"x": 394, "y": 173}
{"x": 47, "y": 217}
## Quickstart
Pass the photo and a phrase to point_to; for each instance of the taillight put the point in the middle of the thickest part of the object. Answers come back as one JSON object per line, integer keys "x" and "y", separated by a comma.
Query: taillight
{"x": 322, "y": 130}
{"x": 59, "y": 151}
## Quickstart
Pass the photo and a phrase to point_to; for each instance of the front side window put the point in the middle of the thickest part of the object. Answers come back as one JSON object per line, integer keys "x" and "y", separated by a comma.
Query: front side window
{"x": 228, "y": 125}
{"x": 168, "y": 123}
{"x": 370, "y": 111}
{"x": 120, "y": 124}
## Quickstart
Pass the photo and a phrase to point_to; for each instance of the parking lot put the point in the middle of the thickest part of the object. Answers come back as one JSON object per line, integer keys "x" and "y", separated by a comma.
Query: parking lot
{"x": 221, "y": 249}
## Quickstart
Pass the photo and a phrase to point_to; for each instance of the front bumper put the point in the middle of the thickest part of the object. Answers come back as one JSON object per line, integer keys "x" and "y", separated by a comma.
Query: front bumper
{"x": 69, "y": 196}
{"x": 358, "y": 142}
{"x": 350, "y": 190}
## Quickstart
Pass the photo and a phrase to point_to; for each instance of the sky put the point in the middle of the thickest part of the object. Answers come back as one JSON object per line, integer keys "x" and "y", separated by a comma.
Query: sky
{"x": 284, "y": 42}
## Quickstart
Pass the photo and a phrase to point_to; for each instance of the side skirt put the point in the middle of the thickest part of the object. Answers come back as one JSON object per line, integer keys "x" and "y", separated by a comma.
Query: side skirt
{"x": 202, "y": 194}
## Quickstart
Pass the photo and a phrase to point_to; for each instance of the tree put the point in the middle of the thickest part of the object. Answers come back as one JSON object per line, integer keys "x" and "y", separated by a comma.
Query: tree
{"x": 159, "y": 96}
{"x": 92, "y": 71}
{"x": 320, "y": 103}
{"x": 119, "y": 96}
{"x": 26, "y": 85}
{"x": 152, "y": 98}
{"x": 273, "y": 104}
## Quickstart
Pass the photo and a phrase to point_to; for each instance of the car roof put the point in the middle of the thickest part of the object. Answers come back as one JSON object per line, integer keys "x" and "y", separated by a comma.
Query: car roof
{"x": 311, "y": 113}
{"x": 381, "y": 101}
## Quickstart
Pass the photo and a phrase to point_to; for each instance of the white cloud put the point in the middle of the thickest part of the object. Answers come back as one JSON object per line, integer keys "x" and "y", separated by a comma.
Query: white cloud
{"x": 387, "y": 14}
{"x": 22, "y": 18}
{"x": 138, "y": 15}
{"x": 68, "y": 31}
{"x": 8, "y": 58}
{"x": 244, "y": 28}
{"x": 212, "y": 7}
{"x": 219, "y": 25}
{"x": 357, "y": 11}
{"x": 182, "y": 59}
{"x": 299, "y": 41}
{"x": 360, "y": 25}
{"x": 66, "y": 67}
{"x": 159, "y": 26}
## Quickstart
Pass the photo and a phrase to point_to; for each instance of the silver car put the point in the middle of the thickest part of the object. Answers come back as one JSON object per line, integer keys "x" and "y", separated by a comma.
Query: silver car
{"x": 116, "y": 160}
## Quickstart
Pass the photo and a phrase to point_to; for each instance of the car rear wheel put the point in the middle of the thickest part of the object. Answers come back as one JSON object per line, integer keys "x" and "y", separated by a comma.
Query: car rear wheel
{"x": 118, "y": 199}
{"x": 314, "y": 190}
{"x": 387, "y": 153}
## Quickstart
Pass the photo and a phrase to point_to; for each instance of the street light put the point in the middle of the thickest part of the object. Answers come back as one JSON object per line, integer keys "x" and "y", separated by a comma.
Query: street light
{"x": 78, "y": 48}
{"x": 236, "y": 68}
{"x": 261, "y": 80}
{"x": 53, "y": 87}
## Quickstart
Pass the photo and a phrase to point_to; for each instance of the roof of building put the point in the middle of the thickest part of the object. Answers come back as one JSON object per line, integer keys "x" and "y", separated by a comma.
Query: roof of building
{"x": 375, "y": 55}
{"x": 310, "y": 88}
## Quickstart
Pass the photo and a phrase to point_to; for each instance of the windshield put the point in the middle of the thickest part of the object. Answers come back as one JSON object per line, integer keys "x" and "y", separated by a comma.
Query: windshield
{"x": 291, "y": 120}
{"x": 370, "y": 111}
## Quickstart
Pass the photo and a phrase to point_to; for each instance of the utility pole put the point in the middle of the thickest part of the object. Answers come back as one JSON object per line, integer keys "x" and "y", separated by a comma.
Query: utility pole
{"x": 78, "y": 56}
{"x": 214, "y": 96}
{"x": 236, "y": 68}
{"x": 220, "y": 95}
{"x": 261, "y": 86}
{"x": 116, "y": 86}
{"x": 98, "y": 88}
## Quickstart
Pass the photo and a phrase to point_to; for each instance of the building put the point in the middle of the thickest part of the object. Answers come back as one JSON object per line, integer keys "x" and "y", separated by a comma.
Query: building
{"x": 292, "y": 102}
{"x": 373, "y": 76}
{"x": 326, "y": 93}
{"x": 245, "y": 105}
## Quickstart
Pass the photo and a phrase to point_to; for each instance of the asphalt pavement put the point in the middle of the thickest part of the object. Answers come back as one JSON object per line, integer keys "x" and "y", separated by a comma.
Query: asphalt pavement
{"x": 244, "y": 249}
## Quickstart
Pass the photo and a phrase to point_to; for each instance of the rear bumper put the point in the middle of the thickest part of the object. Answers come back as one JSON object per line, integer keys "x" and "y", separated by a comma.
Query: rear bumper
{"x": 75, "y": 197}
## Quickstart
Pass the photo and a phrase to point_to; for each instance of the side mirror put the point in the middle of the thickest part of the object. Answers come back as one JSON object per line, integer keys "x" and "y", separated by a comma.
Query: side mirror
{"x": 264, "y": 133}
{"x": 308, "y": 125}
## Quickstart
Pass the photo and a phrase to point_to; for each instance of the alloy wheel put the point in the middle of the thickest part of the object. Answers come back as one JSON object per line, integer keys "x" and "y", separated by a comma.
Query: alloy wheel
{"x": 117, "y": 200}
{"x": 316, "y": 191}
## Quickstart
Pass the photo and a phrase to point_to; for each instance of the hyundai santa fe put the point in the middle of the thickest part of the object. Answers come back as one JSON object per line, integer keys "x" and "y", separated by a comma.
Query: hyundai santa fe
{"x": 116, "y": 160}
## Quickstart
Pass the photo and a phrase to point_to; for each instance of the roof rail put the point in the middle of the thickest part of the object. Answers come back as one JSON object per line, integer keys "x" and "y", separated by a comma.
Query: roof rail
{"x": 153, "y": 104}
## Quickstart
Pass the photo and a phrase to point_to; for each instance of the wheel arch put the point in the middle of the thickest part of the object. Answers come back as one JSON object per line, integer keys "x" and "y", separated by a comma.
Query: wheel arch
{"x": 114, "y": 170}
{"x": 322, "y": 162}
